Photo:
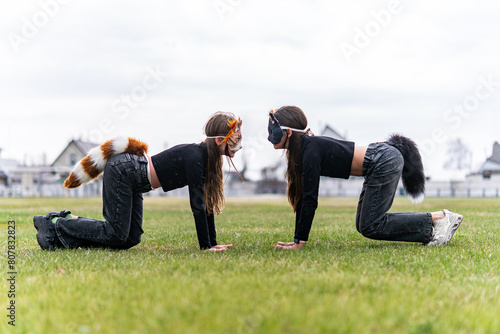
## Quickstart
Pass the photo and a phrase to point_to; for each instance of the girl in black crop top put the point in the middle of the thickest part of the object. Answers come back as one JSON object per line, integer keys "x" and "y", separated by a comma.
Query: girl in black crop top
{"x": 129, "y": 172}
{"x": 381, "y": 164}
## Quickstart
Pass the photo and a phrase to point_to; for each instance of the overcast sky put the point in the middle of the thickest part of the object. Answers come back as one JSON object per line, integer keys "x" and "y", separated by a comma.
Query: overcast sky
{"x": 157, "y": 70}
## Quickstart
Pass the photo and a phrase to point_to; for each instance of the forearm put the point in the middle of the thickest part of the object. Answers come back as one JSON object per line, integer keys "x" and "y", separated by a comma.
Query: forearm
{"x": 303, "y": 223}
{"x": 202, "y": 230}
{"x": 211, "y": 230}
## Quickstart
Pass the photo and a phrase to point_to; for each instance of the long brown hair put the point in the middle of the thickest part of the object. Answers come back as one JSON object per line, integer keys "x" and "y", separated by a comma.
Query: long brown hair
{"x": 293, "y": 117}
{"x": 217, "y": 125}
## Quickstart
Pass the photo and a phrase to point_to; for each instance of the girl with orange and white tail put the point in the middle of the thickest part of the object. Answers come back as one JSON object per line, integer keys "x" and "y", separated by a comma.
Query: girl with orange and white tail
{"x": 129, "y": 172}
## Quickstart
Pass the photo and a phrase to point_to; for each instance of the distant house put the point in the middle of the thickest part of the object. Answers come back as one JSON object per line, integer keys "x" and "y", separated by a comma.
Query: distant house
{"x": 73, "y": 153}
{"x": 7, "y": 167}
{"x": 8, "y": 175}
{"x": 4, "y": 178}
{"x": 486, "y": 181}
{"x": 492, "y": 164}
{"x": 20, "y": 180}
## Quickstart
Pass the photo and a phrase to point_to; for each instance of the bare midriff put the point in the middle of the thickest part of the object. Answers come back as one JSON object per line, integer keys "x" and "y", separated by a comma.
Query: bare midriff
{"x": 155, "y": 183}
{"x": 357, "y": 160}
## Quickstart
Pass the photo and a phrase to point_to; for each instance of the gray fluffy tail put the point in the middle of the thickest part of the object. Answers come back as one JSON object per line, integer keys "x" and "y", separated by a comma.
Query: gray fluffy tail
{"x": 413, "y": 170}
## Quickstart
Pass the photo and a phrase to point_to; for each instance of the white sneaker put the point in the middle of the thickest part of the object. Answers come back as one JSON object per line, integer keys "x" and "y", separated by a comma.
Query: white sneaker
{"x": 443, "y": 229}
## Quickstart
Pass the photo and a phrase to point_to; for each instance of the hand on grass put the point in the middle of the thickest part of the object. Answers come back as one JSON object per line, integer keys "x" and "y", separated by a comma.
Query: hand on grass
{"x": 290, "y": 245}
{"x": 220, "y": 248}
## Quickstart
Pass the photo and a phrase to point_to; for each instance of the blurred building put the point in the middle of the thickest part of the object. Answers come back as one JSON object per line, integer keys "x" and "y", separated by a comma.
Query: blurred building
{"x": 485, "y": 182}
{"x": 8, "y": 176}
{"x": 43, "y": 180}
{"x": 492, "y": 165}
{"x": 19, "y": 180}
{"x": 74, "y": 152}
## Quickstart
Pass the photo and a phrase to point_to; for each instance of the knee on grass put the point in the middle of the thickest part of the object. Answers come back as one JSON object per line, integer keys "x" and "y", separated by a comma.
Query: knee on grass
{"x": 123, "y": 242}
{"x": 368, "y": 231}
{"x": 370, "y": 234}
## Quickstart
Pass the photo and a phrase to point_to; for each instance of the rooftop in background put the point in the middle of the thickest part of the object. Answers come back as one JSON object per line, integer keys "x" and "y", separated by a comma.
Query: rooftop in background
{"x": 9, "y": 164}
{"x": 331, "y": 132}
{"x": 495, "y": 157}
{"x": 75, "y": 150}
{"x": 492, "y": 164}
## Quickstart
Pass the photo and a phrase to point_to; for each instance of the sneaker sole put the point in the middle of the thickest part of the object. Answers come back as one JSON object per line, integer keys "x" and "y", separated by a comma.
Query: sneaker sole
{"x": 41, "y": 236}
{"x": 451, "y": 229}
{"x": 458, "y": 220}
{"x": 54, "y": 214}
{"x": 456, "y": 226}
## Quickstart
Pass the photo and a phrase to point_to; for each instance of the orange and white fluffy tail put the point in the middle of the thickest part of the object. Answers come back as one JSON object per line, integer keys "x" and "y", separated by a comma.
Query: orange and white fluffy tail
{"x": 93, "y": 164}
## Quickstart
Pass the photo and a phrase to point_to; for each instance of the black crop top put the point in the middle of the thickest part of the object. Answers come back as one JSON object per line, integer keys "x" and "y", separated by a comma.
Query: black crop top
{"x": 321, "y": 156}
{"x": 184, "y": 165}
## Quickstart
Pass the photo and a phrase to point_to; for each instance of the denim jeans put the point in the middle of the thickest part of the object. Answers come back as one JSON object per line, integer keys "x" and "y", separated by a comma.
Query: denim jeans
{"x": 124, "y": 181}
{"x": 382, "y": 169}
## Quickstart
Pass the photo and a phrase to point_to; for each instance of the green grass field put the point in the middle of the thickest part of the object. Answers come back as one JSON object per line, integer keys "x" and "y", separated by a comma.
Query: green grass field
{"x": 340, "y": 282}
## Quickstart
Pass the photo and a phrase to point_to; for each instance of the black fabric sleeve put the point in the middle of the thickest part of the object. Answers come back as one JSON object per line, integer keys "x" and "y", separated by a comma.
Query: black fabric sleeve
{"x": 211, "y": 229}
{"x": 297, "y": 221}
{"x": 194, "y": 173}
{"x": 311, "y": 169}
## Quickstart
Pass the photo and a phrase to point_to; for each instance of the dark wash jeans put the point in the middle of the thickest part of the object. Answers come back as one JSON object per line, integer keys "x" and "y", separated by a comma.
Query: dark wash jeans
{"x": 382, "y": 169}
{"x": 124, "y": 180}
